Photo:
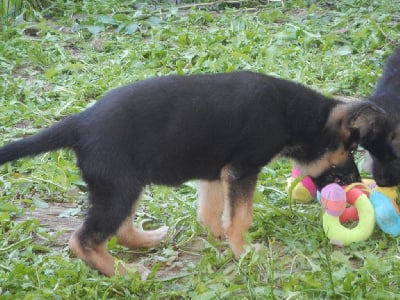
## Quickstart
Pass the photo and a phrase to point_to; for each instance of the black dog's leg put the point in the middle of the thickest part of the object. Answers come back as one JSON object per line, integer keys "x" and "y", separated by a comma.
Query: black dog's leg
{"x": 210, "y": 206}
{"x": 238, "y": 207}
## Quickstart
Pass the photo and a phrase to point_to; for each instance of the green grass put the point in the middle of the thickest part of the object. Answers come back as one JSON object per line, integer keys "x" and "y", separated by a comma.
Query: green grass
{"x": 61, "y": 59}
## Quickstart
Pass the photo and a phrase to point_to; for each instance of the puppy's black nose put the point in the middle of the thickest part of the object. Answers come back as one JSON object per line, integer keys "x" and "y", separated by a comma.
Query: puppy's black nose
{"x": 338, "y": 180}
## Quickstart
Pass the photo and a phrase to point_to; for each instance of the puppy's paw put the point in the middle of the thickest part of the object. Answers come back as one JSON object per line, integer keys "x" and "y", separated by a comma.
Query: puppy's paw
{"x": 217, "y": 232}
{"x": 156, "y": 236}
{"x": 214, "y": 225}
{"x": 238, "y": 252}
{"x": 125, "y": 269}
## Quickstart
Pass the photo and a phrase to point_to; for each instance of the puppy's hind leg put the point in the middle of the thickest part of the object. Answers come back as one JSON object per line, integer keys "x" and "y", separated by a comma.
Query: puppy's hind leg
{"x": 210, "y": 206}
{"x": 110, "y": 205}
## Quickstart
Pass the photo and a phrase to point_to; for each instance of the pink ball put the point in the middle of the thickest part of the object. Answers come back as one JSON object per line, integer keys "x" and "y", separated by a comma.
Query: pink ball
{"x": 333, "y": 199}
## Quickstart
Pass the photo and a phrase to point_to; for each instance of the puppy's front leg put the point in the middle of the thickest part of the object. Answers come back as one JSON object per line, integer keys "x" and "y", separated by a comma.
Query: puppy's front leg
{"x": 238, "y": 208}
{"x": 210, "y": 206}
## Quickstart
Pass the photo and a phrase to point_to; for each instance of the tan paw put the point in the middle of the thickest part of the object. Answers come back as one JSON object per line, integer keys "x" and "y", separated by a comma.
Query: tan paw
{"x": 156, "y": 236}
{"x": 216, "y": 230}
{"x": 132, "y": 237}
{"x": 125, "y": 269}
{"x": 215, "y": 227}
{"x": 238, "y": 251}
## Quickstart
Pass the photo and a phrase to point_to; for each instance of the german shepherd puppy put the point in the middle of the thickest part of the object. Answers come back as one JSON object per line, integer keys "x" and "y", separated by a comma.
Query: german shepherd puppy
{"x": 221, "y": 129}
{"x": 387, "y": 96}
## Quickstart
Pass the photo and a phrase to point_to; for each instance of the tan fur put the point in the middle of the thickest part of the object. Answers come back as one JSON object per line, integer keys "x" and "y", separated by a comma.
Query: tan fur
{"x": 339, "y": 122}
{"x": 96, "y": 257}
{"x": 131, "y": 237}
{"x": 127, "y": 235}
{"x": 236, "y": 220}
{"x": 329, "y": 159}
{"x": 356, "y": 115}
{"x": 337, "y": 118}
{"x": 99, "y": 259}
{"x": 238, "y": 212}
{"x": 210, "y": 206}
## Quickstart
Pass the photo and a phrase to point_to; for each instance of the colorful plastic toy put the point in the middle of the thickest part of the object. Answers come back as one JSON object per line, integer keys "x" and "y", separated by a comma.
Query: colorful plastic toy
{"x": 334, "y": 199}
{"x": 349, "y": 214}
{"x": 382, "y": 200}
{"x": 304, "y": 191}
{"x": 389, "y": 191}
{"x": 387, "y": 213}
{"x": 346, "y": 214}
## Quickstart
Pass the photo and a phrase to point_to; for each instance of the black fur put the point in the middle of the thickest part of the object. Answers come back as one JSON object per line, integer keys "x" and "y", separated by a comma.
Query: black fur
{"x": 172, "y": 129}
{"x": 387, "y": 96}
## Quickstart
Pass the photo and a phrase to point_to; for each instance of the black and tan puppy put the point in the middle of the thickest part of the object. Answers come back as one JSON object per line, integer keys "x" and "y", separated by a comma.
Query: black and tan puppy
{"x": 221, "y": 129}
{"x": 387, "y": 96}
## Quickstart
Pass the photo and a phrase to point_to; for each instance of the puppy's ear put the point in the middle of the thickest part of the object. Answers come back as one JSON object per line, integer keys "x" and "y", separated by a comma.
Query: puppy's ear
{"x": 348, "y": 118}
{"x": 362, "y": 116}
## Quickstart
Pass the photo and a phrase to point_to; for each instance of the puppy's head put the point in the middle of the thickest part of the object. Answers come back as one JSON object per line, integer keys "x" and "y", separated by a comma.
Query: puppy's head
{"x": 343, "y": 174}
{"x": 376, "y": 132}
{"x": 348, "y": 126}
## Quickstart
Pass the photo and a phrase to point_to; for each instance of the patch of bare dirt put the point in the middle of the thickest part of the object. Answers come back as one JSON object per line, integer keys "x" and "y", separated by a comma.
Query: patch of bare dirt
{"x": 52, "y": 218}
{"x": 57, "y": 219}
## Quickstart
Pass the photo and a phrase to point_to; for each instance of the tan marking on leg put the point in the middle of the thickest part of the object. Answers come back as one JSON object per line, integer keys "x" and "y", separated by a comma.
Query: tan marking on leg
{"x": 97, "y": 257}
{"x": 210, "y": 206}
{"x": 227, "y": 175}
{"x": 236, "y": 222}
{"x": 132, "y": 237}
{"x": 238, "y": 209}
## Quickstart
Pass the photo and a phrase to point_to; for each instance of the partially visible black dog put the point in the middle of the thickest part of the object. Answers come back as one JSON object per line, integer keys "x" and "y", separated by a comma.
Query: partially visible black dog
{"x": 221, "y": 129}
{"x": 387, "y": 96}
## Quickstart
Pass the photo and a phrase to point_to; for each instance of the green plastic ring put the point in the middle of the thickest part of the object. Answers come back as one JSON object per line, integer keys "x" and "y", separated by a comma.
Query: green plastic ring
{"x": 341, "y": 235}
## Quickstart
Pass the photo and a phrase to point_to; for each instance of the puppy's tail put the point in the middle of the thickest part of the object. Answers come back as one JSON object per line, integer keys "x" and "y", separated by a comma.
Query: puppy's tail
{"x": 60, "y": 135}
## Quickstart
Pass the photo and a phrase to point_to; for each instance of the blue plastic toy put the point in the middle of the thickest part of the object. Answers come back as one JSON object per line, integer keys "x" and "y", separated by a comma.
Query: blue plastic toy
{"x": 387, "y": 213}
